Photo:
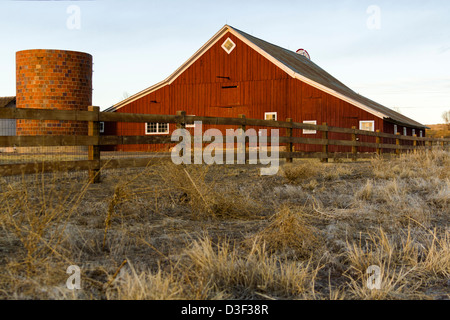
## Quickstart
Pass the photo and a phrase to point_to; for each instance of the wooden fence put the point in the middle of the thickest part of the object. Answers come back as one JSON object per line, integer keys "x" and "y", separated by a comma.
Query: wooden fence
{"x": 94, "y": 140}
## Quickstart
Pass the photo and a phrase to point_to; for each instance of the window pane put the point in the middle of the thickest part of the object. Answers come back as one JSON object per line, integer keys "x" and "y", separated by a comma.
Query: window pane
{"x": 366, "y": 126}
{"x": 152, "y": 127}
{"x": 306, "y": 131}
{"x": 163, "y": 127}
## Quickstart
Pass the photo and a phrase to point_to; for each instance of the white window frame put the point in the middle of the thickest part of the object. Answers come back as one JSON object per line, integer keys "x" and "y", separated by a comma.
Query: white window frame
{"x": 413, "y": 132}
{"x": 271, "y": 114}
{"x": 101, "y": 126}
{"x": 307, "y": 131}
{"x": 395, "y": 129}
{"x": 157, "y": 129}
{"x": 367, "y": 121}
{"x": 226, "y": 49}
{"x": 190, "y": 125}
{"x": 421, "y": 133}
{"x": 405, "y": 131}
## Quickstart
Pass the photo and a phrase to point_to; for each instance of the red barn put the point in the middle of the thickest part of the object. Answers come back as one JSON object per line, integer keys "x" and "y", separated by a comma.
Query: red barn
{"x": 236, "y": 73}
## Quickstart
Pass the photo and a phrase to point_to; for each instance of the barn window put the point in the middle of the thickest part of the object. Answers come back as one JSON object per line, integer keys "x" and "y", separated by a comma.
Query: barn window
{"x": 270, "y": 116}
{"x": 156, "y": 128}
{"x": 395, "y": 129}
{"x": 307, "y": 131}
{"x": 367, "y": 125}
{"x": 421, "y": 134}
{"x": 102, "y": 127}
{"x": 413, "y": 132}
{"x": 228, "y": 45}
{"x": 405, "y": 132}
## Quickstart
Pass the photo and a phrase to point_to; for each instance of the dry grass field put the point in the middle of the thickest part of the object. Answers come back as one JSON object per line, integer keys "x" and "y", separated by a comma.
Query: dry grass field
{"x": 225, "y": 232}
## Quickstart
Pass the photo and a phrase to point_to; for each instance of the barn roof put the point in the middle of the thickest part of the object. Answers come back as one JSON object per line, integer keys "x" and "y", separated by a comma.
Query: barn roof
{"x": 296, "y": 66}
{"x": 4, "y": 101}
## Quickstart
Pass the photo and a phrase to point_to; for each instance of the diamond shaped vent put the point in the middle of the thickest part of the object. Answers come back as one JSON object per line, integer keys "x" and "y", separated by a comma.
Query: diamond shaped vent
{"x": 228, "y": 45}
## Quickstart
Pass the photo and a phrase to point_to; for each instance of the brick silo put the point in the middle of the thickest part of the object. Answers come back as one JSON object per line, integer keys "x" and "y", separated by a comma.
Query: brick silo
{"x": 53, "y": 79}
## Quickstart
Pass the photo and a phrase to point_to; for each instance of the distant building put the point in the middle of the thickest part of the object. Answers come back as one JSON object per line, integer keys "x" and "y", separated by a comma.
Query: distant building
{"x": 7, "y": 126}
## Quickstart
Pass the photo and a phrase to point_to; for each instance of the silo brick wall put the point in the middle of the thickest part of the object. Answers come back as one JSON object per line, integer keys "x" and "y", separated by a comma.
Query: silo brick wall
{"x": 53, "y": 79}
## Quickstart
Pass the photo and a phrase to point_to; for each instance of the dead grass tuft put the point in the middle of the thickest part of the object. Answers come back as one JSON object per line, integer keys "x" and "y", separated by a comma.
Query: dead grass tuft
{"x": 421, "y": 164}
{"x": 146, "y": 285}
{"x": 207, "y": 198}
{"x": 251, "y": 274}
{"x": 299, "y": 171}
{"x": 405, "y": 263}
{"x": 289, "y": 233}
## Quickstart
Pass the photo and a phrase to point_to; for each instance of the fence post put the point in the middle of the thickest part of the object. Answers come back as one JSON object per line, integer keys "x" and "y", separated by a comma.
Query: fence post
{"x": 325, "y": 146}
{"x": 240, "y": 147}
{"x": 378, "y": 141}
{"x": 397, "y": 143}
{"x": 94, "y": 150}
{"x": 289, "y": 145}
{"x": 415, "y": 144}
{"x": 354, "y": 147}
{"x": 243, "y": 127}
{"x": 181, "y": 124}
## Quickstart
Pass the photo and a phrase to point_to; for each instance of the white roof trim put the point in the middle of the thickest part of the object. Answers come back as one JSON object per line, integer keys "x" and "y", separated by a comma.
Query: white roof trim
{"x": 280, "y": 65}
{"x": 340, "y": 96}
{"x": 136, "y": 96}
{"x": 199, "y": 53}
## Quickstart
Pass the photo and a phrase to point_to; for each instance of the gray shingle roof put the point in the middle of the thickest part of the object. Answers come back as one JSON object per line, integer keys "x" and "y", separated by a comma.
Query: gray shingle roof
{"x": 4, "y": 101}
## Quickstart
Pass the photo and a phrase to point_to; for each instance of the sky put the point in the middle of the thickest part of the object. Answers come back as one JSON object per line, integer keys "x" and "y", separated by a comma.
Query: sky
{"x": 396, "y": 53}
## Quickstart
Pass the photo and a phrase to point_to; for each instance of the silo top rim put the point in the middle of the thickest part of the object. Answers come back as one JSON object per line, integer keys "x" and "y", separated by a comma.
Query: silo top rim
{"x": 54, "y": 51}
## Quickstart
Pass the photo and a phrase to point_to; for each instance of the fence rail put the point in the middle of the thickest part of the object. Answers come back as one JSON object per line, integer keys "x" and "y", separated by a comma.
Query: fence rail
{"x": 94, "y": 140}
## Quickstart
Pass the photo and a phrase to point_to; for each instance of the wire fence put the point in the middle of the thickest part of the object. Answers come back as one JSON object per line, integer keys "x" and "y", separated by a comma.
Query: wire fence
{"x": 14, "y": 154}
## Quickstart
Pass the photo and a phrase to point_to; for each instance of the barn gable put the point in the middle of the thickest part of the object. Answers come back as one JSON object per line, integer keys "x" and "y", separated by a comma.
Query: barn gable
{"x": 289, "y": 63}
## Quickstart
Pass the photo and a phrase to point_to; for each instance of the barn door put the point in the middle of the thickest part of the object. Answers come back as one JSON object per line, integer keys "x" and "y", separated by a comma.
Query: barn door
{"x": 229, "y": 95}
